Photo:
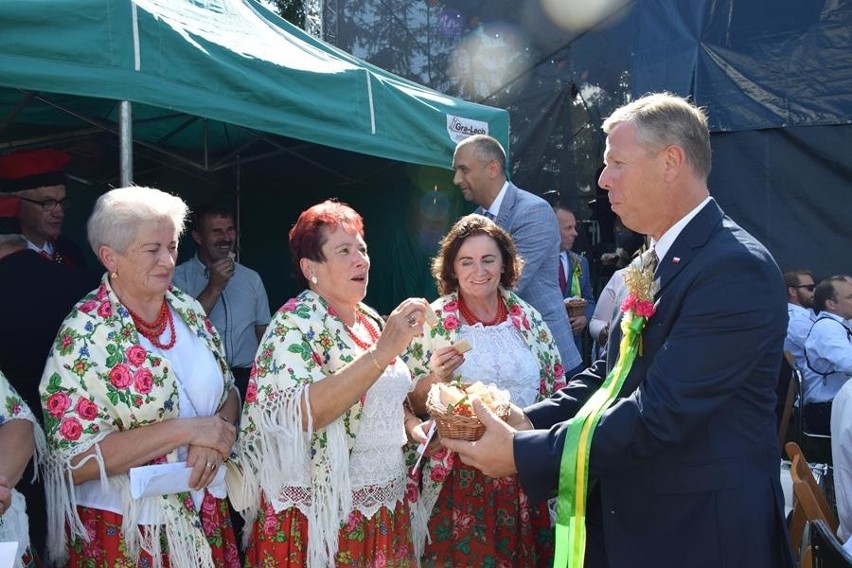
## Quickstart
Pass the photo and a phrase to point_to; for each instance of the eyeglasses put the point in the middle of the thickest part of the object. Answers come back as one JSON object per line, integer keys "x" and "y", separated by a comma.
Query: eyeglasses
{"x": 50, "y": 204}
{"x": 810, "y": 287}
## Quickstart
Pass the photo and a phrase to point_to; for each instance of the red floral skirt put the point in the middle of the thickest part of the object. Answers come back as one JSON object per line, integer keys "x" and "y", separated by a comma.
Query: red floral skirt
{"x": 281, "y": 539}
{"x": 30, "y": 560}
{"x": 106, "y": 547}
{"x": 480, "y": 521}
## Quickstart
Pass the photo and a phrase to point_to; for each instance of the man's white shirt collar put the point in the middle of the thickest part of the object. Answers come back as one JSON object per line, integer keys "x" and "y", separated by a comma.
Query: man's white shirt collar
{"x": 47, "y": 248}
{"x": 498, "y": 201}
{"x": 662, "y": 246}
{"x": 802, "y": 310}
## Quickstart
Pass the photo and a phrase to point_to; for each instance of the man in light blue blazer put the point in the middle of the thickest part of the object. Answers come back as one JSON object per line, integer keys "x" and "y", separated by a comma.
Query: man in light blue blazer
{"x": 479, "y": 164}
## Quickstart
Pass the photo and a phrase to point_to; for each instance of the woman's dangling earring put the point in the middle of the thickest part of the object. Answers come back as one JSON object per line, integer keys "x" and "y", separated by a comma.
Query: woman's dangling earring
{"x": 313, "y": 279}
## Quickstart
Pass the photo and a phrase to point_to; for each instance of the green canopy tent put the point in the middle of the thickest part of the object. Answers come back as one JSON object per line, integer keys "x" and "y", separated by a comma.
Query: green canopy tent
{"x": 231, "y": 61}
{"x": 211, "y": 83}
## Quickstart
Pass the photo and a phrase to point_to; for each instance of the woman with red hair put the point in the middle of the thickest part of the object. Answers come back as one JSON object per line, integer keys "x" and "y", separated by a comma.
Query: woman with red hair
{"x": 323, "y": 426}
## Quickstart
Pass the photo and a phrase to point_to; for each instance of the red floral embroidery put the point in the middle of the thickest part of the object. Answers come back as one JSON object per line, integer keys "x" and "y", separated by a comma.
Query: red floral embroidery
{"x": 120, "y": 376}
{"x": 143, "y": 381}
{"x": 105, "y": 310}
{"x": 136, "y": 355}
{"x": 86, "y": 409}
{"x": 251, "y": 391}
{"x": 70, "y": 429}
{"x": 58, "y": 403}
{"x": 451, "y": 322}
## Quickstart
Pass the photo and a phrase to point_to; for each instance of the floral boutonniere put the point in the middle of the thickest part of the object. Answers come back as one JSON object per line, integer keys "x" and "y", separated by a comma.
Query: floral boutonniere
{"x": 639, "y": 306}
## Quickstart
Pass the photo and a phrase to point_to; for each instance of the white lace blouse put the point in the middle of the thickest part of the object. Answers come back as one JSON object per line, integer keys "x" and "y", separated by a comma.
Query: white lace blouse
{"x": 499, "y": 355}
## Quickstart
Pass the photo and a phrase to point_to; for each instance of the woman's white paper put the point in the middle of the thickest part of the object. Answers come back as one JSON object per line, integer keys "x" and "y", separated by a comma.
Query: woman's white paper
{"x": 8, "y": 554}
{"x": 164, "y": 479}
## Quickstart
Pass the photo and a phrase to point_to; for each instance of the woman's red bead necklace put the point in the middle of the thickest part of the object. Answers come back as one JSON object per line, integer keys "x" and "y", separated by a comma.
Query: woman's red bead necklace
{"x": 465, "y": 311}
{"x": 374, "y": 336}
{"x": 153, "y": 330}
{"x": 372, "y": 331}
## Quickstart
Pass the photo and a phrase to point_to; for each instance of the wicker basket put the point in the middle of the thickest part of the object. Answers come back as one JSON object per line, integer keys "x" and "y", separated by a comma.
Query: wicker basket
{"x": 576, "y": 307}
{"x": 459, "y": 426}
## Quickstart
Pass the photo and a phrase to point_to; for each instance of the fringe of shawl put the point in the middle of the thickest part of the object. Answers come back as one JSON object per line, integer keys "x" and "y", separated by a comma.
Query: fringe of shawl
{"x": 277, "y": 458}
{"x": 421, "y": 512}
{"x": 187, "y": 544}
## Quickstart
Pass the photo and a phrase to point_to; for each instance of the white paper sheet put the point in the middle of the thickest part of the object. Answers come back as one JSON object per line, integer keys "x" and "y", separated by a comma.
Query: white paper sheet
{"x": 164, "y": 479}
{"x": 421, "y": 448}
{"x": 8, "y": 554}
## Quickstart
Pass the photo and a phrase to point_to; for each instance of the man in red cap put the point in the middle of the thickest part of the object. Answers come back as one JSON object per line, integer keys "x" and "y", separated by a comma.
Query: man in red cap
{"x": 37, "y": 296}
{"x": 38, "y": 178}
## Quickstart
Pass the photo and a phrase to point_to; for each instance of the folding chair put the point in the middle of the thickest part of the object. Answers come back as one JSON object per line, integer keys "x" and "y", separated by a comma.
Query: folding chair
{"x": 787, "y": 392}
{"x": 821, "y": 442}
{"x": 826, "y": 550}
{"x": 809, "y": 493}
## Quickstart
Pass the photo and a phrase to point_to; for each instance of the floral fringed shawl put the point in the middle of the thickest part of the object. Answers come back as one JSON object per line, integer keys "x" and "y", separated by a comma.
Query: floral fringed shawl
{"x": 14, "y": 524}
{"x": 531, "y": 326}
{"x": 306, "y": 469}
{"x": 98, "y": 380}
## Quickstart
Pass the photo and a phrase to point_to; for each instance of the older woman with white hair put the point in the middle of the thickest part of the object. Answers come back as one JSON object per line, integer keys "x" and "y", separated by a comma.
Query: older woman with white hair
{"x": 137, "y": 377}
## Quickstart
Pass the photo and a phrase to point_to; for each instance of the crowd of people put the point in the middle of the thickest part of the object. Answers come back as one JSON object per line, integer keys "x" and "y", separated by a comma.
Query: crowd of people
{"x": 175, "y": 422}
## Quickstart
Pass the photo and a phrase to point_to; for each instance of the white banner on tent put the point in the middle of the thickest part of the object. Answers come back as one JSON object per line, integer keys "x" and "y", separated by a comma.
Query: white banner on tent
{"x": 459, "y": 127}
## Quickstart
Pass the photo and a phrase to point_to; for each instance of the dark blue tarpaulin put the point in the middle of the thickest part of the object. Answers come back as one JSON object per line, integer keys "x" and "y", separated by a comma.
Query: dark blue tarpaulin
{"x": 752, "y": 63}
{"x": 776, "y": 80}
{"x": 774, "y": 75}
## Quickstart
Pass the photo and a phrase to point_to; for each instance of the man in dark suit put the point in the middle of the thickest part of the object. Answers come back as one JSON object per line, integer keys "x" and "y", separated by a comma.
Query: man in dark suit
{"x": 479, "y": 163}
{"x": 683, "y": 468}
{"x": 575, "y": 280}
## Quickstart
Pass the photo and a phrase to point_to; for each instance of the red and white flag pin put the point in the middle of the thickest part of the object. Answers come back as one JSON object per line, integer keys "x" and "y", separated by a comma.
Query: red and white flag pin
{"x": 676, "y": 259}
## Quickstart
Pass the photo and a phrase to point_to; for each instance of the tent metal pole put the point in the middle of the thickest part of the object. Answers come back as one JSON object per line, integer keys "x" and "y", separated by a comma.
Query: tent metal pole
{"x": 238, "y": 182}
{"x": 125, "y": 136}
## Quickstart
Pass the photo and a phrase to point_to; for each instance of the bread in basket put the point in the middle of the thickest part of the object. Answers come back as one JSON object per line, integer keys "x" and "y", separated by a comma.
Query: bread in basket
{"x": 449, "y": 404}
{"x": 576, "y": 307}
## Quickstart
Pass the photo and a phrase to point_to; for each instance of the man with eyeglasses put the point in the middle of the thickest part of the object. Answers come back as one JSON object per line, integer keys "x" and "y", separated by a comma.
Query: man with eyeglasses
{"x": 800, "y": 301}
{"x": 38, "y": 178}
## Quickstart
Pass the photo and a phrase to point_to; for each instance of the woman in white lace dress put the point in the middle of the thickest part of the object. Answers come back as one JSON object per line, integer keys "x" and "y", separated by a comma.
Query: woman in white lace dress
{"x": 323, "y": 423}
{"x": 474, "y": 520}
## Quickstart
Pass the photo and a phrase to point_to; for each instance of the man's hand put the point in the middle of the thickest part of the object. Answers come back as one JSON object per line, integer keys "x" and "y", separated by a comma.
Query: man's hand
{"x": 221, "y": 272}
{"x": 603, "y": 336}
{"x": 578, "y": 324}
{"x": 493, "y": 453}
